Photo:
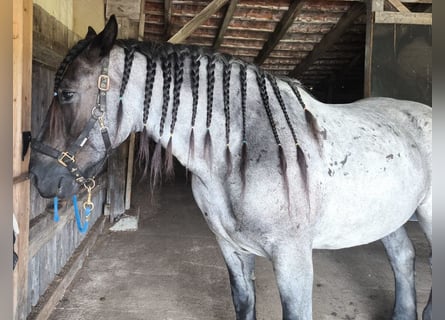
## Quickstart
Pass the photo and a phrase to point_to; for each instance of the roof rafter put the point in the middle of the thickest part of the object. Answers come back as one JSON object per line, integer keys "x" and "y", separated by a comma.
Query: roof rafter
{"x": 280, "y": 30}
{"x": 199, "y": 19}
{"x": 398, "y": 5}
{"x": 330, "y": 38}
{"x": 225, "y": 23}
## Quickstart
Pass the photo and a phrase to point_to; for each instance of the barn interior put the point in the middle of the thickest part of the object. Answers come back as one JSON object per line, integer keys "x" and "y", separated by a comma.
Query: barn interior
{"x": 169, "y": 266}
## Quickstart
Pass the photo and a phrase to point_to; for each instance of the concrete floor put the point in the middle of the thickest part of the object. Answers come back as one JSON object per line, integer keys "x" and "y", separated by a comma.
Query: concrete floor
{"x": 172, "y": 269}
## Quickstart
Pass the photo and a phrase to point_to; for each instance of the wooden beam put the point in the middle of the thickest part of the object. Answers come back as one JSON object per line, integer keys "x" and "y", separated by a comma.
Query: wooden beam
{"x": 141, "y": 21}
{"x": 130, "y": 165}
{"x": 22, "y": 75}
{"x": 225, "y": 23}
{"x": 167, "y": 18}
{"x": 404, "y": 18}
{"x": 199, "y": 19}
{"x": 398, "y": 5}
{"x": 280, "y": 30}
{"x": 330, "y": 38}
{"x": 417, "y": 1}
{"x": 377, "y": 5}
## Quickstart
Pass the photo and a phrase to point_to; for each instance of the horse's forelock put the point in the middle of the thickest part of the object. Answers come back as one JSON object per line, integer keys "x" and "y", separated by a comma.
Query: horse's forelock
{"x": 56, "y": 120}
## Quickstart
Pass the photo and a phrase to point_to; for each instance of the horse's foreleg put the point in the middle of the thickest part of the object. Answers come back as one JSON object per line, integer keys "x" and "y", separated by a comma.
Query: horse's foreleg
{"x": 294, "y": 273}
{"x": 241, "y": 272}
{"x": 424, "y": 215}
{"x": 401, "y": 255}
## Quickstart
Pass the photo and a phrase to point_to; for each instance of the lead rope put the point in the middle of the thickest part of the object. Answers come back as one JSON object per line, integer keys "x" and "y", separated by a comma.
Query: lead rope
{"x": 88, "y": 207}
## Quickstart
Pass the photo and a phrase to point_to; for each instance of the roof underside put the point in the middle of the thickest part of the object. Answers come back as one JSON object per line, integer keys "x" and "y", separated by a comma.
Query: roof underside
{"x": 319, "y": 42}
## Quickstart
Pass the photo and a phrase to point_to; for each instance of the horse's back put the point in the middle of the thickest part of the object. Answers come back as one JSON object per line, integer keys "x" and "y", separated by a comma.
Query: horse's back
{"x": 374, "y": 171}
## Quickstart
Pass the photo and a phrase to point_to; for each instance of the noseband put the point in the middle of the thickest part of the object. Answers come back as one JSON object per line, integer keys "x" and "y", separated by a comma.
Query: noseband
{"x": 67, "y": 158}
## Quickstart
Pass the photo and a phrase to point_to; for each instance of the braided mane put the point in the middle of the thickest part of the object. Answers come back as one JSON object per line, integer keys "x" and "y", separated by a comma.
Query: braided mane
{"x": 172, "y": 58}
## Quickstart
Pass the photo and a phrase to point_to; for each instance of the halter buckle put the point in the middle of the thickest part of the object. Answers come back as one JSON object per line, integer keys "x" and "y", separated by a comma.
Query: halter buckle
{"x": 65, "y": 155}
{"x": 103, "y": 83}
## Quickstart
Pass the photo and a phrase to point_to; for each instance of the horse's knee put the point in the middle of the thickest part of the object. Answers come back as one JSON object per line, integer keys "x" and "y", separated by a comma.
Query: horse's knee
{"x": 244, "y": 301}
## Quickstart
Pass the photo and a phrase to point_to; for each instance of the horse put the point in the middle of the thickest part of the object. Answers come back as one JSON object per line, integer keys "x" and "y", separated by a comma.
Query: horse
{"x": 275, "y": 172}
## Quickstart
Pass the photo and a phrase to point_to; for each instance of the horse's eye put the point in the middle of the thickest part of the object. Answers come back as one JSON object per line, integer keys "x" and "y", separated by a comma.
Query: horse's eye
{"x": 67, "y": 95}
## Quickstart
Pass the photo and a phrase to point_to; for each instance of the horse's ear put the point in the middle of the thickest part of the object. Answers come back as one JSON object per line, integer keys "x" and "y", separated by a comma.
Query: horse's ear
{"x": 104, "y": 41}
{"x": 91, "y": 33}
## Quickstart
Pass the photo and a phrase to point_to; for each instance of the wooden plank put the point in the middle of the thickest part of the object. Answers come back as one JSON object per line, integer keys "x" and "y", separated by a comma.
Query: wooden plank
{"x": 417, "y": 1}
{"x": 167, "y": 18}
{"x": 50, "y": 299}
{"x": 45, "y": 229}
{"x": 130, "y": 166}
{"x": 420, "y": 18}
{"x": 193, "y": 24}
{"x": 330, "y": 38}
{"x": 49, "y": 47}
{"x": 398, "y": 5}
{"x": 128, "y": 8}
{"x": 377, "y": 5}
{"x": 22, "y": 66}
{"x": 368, "y": 53}
{"x": 280, "y": 30}
{"x": 225, "y": 23}
{"x": 141, "y": 21}
{"x": 116, "y": 181}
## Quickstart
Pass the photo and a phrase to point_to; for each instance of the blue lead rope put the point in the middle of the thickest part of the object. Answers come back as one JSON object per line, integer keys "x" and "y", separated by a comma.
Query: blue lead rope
{"x": 82, "y": 228}
{"x": 56, "y": 209}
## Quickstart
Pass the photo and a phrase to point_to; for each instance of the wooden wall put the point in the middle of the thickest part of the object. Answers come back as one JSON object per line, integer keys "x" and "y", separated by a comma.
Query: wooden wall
{"x": 41, "y": 39}
{"x": 398, "y": 53}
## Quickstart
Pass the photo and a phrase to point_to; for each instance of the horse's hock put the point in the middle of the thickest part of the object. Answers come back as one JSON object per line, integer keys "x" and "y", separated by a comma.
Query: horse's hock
{"x": 255, "y": 134}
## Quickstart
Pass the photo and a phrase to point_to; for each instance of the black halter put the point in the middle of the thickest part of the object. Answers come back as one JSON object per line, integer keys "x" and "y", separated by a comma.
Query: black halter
{"x": 67, "y": 158}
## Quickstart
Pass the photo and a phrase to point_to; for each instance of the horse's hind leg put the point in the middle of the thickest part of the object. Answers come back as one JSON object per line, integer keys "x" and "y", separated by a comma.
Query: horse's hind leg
{"x": 425, "y": 217}
{"x": 241, "y": 272}
{"x": 401, "y": 256}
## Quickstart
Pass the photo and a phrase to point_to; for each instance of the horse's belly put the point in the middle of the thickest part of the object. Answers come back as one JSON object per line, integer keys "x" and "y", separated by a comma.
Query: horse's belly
{"x": 366, "y": 211}
{"x": 362, "y": 221}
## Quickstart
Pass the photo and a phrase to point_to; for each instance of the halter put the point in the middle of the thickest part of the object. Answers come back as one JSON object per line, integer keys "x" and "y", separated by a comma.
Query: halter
{"x": 67, "y": 158}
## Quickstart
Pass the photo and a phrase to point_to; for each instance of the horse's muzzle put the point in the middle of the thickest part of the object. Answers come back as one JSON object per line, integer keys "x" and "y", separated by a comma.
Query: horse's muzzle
{"x": 52, "y": 182}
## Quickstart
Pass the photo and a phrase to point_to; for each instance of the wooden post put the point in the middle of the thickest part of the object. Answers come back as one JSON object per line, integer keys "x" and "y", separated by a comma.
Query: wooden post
{"x": 22, "y": 65}
{"x": 368, "y": 46}
{"x": 130, "y": 166}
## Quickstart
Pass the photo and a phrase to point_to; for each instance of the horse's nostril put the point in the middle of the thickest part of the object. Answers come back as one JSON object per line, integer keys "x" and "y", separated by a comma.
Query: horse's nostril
{"x": 32, "y": 178}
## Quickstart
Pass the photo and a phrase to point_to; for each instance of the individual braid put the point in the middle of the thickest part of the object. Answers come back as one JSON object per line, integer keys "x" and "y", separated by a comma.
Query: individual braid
{"x": 243, "y": 84}
{"x": 210, "y": 86}
{"x": 261, "y": 79}
{"x": 226, "y": 97}
{"x": 310, "y": 119}
{"x": 71, "y": 55}
{"x": 167, "y": 75}
{"x": 156, "y": 162}
{"x": 149, "y": 82}
{"x": 143, "y": 150}
{"x": 129, "y": 56}
{"x": 194, "y": 83}
{"x": 178, "y": 79}
{"x": 301, "y": 159}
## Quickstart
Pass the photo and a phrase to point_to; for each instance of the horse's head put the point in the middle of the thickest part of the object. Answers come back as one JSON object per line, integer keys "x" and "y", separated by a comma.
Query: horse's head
{"x": 73, "y": 142}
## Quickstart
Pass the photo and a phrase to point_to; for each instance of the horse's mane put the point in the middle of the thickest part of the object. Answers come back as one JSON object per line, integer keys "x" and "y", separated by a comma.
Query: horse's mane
{"x": 172, "y": 58}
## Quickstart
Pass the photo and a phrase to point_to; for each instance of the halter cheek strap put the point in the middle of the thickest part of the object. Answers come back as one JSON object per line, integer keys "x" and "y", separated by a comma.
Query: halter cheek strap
{"x": 67, "y": 158}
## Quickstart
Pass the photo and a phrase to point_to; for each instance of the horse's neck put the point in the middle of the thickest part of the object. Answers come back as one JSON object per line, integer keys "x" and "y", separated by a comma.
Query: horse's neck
{"x": 133, "y": 109}
{"x": 160, "y": 125}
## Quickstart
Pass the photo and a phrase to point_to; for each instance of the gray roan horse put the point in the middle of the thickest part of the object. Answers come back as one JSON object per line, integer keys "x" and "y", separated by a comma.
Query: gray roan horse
{"x": 275, "y": 172}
